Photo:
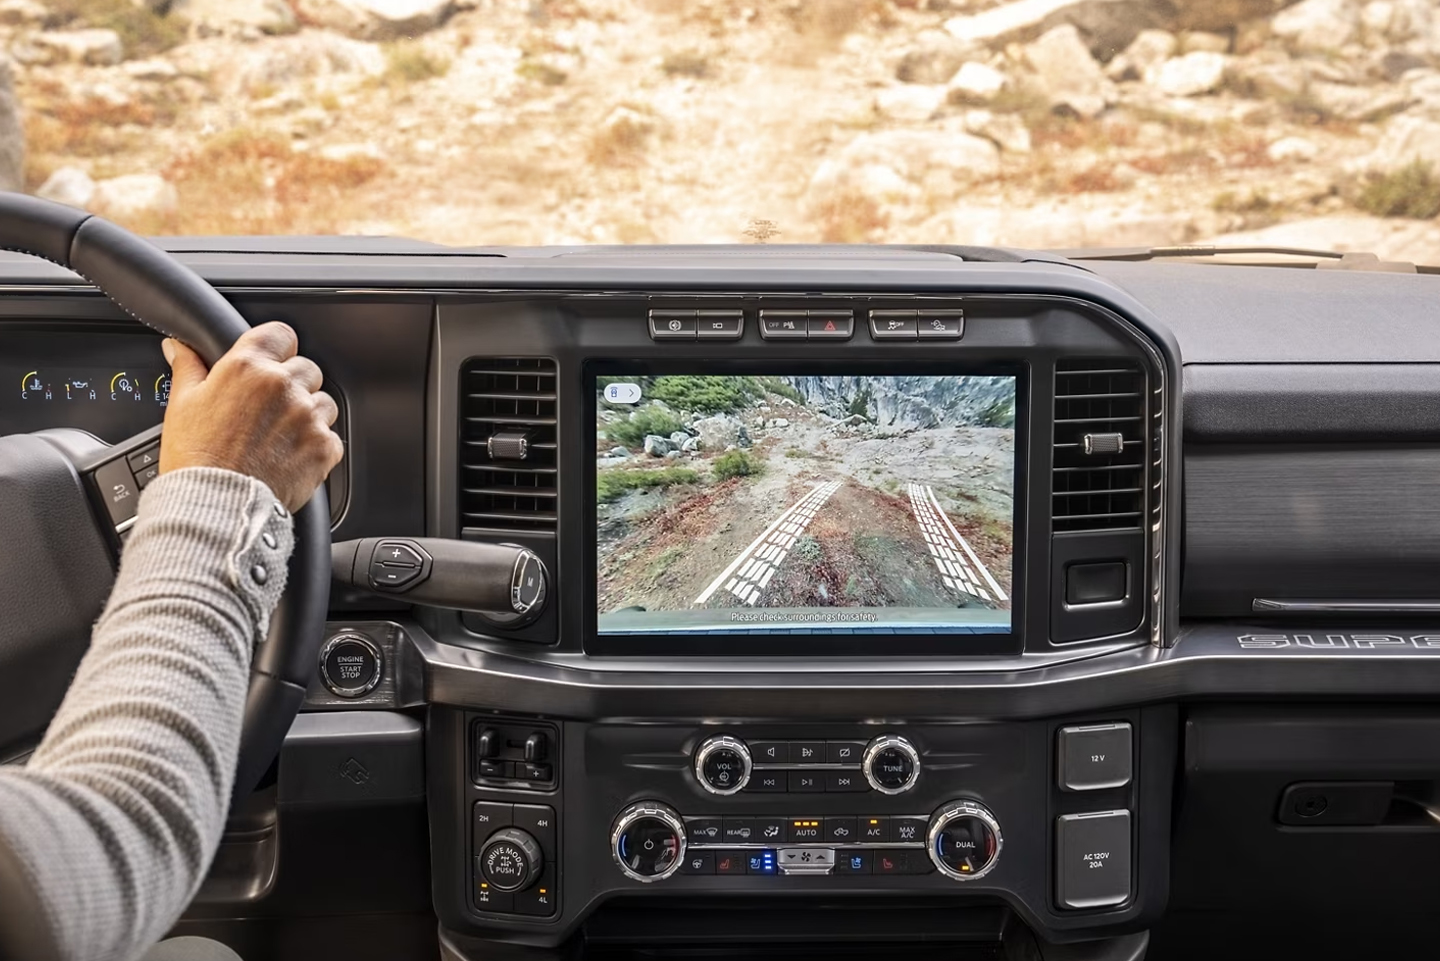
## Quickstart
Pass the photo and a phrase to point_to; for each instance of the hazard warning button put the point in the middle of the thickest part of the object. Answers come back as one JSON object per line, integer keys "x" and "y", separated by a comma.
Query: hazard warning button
{"x": 832, "y": 324}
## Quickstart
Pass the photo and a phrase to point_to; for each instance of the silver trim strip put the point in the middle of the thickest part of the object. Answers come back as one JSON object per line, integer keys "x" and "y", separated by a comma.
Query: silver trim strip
{"x": 1266, "y": 605}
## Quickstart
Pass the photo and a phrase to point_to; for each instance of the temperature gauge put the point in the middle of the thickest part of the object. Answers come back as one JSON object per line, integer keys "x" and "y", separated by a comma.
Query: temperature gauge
{"x": 34, "y": 387}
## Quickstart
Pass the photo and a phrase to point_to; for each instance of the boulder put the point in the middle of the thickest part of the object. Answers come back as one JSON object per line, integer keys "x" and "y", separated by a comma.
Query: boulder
{"x": 377, "y": 19}
{"x": 1403, "y": 139}
{"x": 1187, "y": 76}
{"x": 679, "y": 437}
{"x": 135, "y": 195}
{"x": 692, "y": 445}
{"x": 1192, "y": 41}
{"x": 95, "y": 47}
{"x": 12, "y": 132}
{"x": 1149, "y": 48}
{"x": 22, "y": 13}
{"x": 976, "y": 84}
{"x": 154, "y": 69}
{"x": 68, "y": 185}
{"x": 934, "y": 58}
{"x": 1316, "y": 26}
{"x": 1359, "y": 103}
{"x": 224, "y": 16}
{"x": 721, "y": 432}
{"x": 1004, "y": 130}
{"x": 1292, "y": 148}
{"x": 236, "y": 69}
{"x": 618, "y": 452}
{"x": 1068, "y": 76}
{"x": 910, "y": 102}
{"x": 777, "y": 423}
{"x": 889, "y": 164}
{"x": 657, "y": 446}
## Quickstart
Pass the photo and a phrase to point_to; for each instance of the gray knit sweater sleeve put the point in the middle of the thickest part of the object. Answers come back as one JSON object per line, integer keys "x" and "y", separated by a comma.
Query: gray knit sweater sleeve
{"x": 113, "y": 823}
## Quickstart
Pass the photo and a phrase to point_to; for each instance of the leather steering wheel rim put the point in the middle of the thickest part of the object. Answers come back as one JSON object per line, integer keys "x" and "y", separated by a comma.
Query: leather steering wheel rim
{"x": 157, "y": 290}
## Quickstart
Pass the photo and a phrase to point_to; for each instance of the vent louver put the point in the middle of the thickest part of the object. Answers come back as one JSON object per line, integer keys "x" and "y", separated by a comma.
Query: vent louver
{"x": 1099, "y": 457}
{"x": 508, "y": 443}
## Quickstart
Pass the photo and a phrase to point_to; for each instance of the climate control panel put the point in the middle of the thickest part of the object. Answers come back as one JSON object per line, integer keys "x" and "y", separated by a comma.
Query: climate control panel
{"x": 651, "y": 841}
{"x": 726, "y": 765}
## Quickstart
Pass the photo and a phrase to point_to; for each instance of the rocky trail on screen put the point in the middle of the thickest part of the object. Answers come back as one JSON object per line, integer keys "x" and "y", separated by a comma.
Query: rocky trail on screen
{"x": 1029, "y": 123}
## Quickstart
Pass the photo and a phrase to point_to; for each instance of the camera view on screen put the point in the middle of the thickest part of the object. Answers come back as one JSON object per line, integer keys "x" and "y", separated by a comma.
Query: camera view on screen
{"x": 856, "y": 504}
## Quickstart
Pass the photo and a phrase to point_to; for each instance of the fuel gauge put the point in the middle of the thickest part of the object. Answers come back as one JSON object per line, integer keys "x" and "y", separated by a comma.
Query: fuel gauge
{"x": 162, "y": 389}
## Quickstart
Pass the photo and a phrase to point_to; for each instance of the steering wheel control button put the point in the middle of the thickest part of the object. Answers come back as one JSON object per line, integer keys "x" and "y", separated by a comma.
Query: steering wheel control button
{"x": 259, "y": 574}
{"x": 350, "y": 665}
{"x": 891, "y": 764}
{"x": 964, "y": 840}
{"x": 941, "y": 324}
{"x": 1092, "y": 860}
{"x": 672, "y": 324}
{"x": 149, "y": 457}
{"x": 893, "y": 325}
{"x": 832, "y": 324}
{"x": 719, "y": 324}
{"x": 722, "y": 765}
{"x": 396, "y": 565}
{"x": 1094, "y": 757}
{"x": 784, "y": 325}
{"x": 511, "y": 860}
{"x": 118, "y": 490}
{"x": 648, "y": 841}
{"x": 145, "y": 475}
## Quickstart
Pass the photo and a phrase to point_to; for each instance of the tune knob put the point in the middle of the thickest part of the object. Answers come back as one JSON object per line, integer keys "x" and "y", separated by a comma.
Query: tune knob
{"x": 964, "y": 840}
{"x": 891, "y": 764}
{"x": 511, "y": 860}
{"x": 648, "y": 841}
{"x": 722, "y": 765}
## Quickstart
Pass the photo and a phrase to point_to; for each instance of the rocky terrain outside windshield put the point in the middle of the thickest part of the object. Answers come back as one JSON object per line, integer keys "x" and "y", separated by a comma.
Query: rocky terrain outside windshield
{"x": 853, "y": 504}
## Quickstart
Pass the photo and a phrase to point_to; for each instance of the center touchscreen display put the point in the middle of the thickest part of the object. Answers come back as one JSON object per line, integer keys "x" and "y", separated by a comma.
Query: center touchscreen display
{"x": 815, "y": 505}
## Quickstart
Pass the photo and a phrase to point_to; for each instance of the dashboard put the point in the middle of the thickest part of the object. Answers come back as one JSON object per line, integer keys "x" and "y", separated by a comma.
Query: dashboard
{"x": 958, "y": 589}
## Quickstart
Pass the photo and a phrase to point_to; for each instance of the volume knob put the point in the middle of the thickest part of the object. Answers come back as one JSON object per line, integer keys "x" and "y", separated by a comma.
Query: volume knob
{"x": 722, "y": 765}
{"x": 891, "y": 764}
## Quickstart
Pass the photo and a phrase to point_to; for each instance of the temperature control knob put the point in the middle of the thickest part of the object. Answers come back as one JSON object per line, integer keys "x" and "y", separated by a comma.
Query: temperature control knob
{"x": 722, "y": 765}
{"x": 648, "y": 841}
{"x": 891, "y": 764}
{"x": 511, "y": 860}
{"x": 964, "y": 840}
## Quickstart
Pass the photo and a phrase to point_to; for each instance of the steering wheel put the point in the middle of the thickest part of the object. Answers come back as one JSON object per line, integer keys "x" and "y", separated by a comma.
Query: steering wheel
{"x": 66, "y": 500}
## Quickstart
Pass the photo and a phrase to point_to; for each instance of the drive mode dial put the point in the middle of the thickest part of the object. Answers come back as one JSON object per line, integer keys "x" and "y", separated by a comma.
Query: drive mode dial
{"x": 891, "y": 764}
{"x": 964, "y": 840}
{"x": 648, "y": 841}
{"x": 510, "y": 860}
{"x": 722, "y": 765}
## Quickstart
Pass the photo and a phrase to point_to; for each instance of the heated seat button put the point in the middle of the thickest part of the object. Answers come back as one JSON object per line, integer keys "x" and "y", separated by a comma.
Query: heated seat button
{"x": 1094, "y": 756}
{"x": 854, "y": 861}
{"x": 731, "y": 862}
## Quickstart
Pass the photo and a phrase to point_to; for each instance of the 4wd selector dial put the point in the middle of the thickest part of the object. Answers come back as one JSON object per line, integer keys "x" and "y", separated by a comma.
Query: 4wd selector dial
{"x": 891, "y": 764}
{"x": 722, "y": 765}
{"x": 964, "y": 840}
{"x": 510, "y": 860}
{"x": 648, "y": 841}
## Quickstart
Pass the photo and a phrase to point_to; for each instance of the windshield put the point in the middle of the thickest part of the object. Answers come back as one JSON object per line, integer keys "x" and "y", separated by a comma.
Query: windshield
{"x": 1035, "y": 123}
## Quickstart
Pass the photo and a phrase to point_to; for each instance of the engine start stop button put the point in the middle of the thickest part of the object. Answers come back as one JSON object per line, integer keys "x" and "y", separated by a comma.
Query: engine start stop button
{"x": 350, "y": 665}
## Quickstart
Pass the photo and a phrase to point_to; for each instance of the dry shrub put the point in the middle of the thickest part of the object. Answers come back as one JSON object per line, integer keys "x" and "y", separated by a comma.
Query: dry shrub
{"x": 409, "y": 62}
{"x": 58, "y": 130}
{"x": 142, "y": 31}
{"x": 1093, "y": 180}
{"x": 1410, "y": 191}
{"x": 1246, "y": 151}
{"x": 246, "y": 182}
{"x": 1174, "y": 161}
{"x": 850, "y": 217}
{"x": 621, "y": 140}
{"x": 686, "y": 63}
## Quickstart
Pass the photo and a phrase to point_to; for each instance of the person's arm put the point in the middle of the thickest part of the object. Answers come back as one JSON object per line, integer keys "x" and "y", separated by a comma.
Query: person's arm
{"x": 109, "y": 830}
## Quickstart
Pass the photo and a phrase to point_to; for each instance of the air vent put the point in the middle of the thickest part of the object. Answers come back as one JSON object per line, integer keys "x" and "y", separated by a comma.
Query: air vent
{"x": 508, "y": 443}
{"x": 1100, "y": 430}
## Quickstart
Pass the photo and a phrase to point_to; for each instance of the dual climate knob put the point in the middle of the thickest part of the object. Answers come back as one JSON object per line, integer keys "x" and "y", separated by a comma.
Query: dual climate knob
{"x": 723, "y": 765}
